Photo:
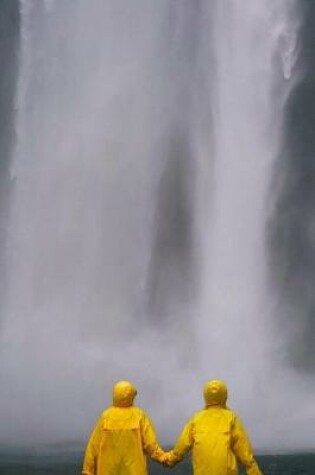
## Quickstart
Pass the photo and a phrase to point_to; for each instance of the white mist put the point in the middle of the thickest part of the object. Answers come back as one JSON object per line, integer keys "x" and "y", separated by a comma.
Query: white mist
{"x": 97, "y": 102}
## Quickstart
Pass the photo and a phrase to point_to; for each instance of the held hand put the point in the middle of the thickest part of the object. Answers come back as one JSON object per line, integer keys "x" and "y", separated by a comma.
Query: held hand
{"x": 169, "y": 459}
{"x": 164, "y": 459}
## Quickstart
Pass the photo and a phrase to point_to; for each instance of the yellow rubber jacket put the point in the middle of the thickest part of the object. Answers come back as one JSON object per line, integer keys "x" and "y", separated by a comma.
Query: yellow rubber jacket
{"x": 217, "y": 439}
{"x": 121, "y": 439}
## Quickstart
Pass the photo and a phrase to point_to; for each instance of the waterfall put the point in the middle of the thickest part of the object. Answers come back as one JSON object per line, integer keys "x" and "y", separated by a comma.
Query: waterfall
{"x": 250, "y": 85}
{"x": 147, "y": 133}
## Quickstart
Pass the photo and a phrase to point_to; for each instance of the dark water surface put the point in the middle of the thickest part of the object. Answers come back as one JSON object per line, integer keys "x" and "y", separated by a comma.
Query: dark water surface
{"x": 70, "y": 462}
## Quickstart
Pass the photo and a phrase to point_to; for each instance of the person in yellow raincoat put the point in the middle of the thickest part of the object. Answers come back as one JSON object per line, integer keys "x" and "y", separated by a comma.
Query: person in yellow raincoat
{"x": 216, "y": 437}
{"x": 122, "y": 438}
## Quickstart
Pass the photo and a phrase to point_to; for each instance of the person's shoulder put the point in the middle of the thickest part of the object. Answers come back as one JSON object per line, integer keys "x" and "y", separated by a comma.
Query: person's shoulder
{"x": 233, "y": 414}
{"x": 106, "y": 411}
{"x": 141, "y": 412}
{"x": 229, "y": 410}
{"x": 197, "y": 415}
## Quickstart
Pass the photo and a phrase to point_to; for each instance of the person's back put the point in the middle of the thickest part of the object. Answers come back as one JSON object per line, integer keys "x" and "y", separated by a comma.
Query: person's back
{"x": 216, "y": 437}
{"x": 122, "y": 438}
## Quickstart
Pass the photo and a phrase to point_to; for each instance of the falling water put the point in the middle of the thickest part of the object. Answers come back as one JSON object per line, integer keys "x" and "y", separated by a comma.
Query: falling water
{"x": 146, "y": 137}
{"x": 251, "y": 81}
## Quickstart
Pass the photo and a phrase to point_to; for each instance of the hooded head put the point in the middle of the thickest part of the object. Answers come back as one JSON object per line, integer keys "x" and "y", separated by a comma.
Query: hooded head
{"x": 123, "y": 394}
{"x": 215, "y": 393}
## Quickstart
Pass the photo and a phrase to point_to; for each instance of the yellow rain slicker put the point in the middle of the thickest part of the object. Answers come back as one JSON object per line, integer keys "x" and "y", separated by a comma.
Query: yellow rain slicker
{"x": 121, "y": 439}
{"x": 217, "y": 439}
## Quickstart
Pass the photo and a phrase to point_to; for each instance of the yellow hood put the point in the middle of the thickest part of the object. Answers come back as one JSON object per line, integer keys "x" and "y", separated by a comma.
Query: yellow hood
{"x": 215, "y": 393}
{"x": 123, "y": 394}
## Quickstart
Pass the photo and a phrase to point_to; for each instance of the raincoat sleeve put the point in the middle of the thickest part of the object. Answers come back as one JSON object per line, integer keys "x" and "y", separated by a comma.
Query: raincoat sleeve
{"x": 183, "y": 445}
{"x": 92, "y": 449}
{"x": 149, "y": 440}
{"x": 242, "y": 448}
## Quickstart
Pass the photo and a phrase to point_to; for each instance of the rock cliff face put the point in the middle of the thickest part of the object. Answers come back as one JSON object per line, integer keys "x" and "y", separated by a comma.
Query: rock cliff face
{"x": 292, "y": 230}
{"x": 9, "y": 45}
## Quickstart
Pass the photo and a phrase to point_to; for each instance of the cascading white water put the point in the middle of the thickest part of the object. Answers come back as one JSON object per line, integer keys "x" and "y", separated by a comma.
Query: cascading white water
{"x": 252, "y": 77}
{"x": 101, "y": 94}
{"x": 249, "y": 89}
